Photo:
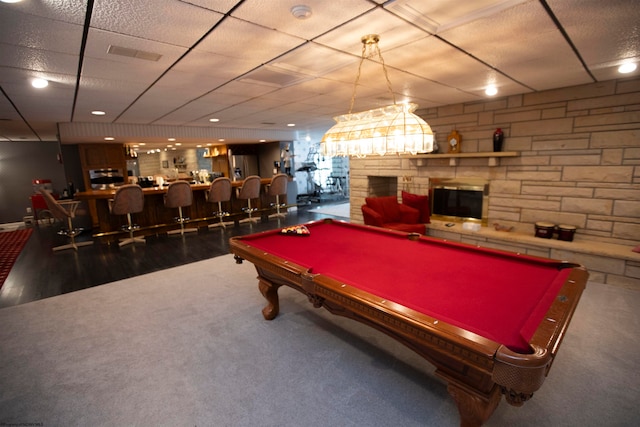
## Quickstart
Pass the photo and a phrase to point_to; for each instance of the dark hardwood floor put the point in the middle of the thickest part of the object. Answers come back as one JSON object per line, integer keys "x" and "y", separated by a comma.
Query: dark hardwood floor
{"x": 41, "y": 273}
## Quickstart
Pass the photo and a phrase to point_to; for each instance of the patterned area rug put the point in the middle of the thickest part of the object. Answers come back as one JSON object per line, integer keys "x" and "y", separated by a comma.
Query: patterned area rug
{"x": 11, "y": 244}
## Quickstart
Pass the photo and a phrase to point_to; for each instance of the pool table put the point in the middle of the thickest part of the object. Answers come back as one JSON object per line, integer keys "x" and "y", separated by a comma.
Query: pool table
{"x": 490, "y": 321}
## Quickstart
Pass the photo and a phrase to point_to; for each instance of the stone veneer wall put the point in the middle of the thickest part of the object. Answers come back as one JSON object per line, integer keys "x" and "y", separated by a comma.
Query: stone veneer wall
{"x": 578, "y": 159}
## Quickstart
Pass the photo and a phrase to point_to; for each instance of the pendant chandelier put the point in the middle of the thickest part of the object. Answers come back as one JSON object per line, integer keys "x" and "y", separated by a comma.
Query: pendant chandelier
{"x": 393, "y": 129}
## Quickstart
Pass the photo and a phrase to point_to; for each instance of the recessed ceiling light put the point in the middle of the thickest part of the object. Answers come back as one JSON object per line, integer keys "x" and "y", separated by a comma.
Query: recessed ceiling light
{"x": 214, "y": 120}
{"x": 10, "y": 1}
{"x": 221, "y": 140}
{"x": 291, "y": 124}
{"x": 491, "y": 90}
{"x": 98, "y": 113}
{"x": 626, "y": 68}
{"x": 263, "y": 140}
{"x": 39, "y": 83}
{"x": 178, "y": 143}
{"x": 109, "y": 138}
{"x": 171, "y": 139}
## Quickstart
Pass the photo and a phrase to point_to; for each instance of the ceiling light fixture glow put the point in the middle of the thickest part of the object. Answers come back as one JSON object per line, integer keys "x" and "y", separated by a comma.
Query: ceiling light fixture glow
{"x": 214, "y": 120}
{"x": 39, "y": 83}
{"x": 628, "y": 67}
{"x": 491, "y": 90}
{"x": 98, "y": 113}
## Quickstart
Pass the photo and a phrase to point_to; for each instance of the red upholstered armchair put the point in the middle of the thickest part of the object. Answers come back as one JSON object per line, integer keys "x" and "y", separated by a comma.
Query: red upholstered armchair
{"x": 386, "y": 212}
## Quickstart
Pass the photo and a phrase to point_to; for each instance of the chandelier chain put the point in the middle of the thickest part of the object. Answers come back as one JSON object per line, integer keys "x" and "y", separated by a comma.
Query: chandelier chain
{"x": 365, "y": 44}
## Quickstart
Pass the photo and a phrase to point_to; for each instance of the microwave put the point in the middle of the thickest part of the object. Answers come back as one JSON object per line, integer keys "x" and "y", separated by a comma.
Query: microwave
{"x": 103, "y": 179}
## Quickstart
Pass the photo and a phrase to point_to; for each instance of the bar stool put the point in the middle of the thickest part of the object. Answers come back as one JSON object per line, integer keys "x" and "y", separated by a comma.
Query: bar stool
{"x": 219, "y": 191}
{"x": 128, "y": 199}
{"x": 277, "y": 188}
{"x": 64, "y": 210}
{"x": 179, "y": 195}
{"x": 250, "y": 190}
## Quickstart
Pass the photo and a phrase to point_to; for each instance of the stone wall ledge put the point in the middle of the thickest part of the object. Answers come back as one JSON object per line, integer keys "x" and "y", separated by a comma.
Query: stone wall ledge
{"x": 591, "y": 247}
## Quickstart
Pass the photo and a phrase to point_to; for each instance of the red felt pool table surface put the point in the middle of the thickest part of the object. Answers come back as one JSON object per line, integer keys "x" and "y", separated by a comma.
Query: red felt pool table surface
{"x": 497, "y": 295}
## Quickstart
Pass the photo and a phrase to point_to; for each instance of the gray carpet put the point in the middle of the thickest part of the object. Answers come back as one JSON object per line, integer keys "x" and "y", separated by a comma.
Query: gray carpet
{"x": 340, "y": 209}
{"x": 188, "y": 347}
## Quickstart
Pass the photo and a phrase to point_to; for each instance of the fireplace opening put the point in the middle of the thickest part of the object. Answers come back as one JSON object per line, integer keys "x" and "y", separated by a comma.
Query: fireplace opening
{"x": 459, "y": 200}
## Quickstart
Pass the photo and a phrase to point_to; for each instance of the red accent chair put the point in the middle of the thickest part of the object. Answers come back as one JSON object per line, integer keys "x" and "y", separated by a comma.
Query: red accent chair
{"x": 386, "y": 212}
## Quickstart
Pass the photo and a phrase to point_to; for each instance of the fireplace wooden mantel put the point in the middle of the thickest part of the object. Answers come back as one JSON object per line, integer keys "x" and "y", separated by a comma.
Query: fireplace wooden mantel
{"x": 493, "y": 157}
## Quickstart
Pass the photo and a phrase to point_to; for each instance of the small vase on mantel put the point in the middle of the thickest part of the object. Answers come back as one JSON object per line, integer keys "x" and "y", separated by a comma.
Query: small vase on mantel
{"x": 498, "y": 139}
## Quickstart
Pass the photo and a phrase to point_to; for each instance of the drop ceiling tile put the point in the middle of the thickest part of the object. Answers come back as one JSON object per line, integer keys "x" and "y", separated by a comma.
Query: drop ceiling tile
{"x": 28, "y": 100}
{"x": 178, "y": 88}
{"x": 195, "y": 113}
{"x": 244, "y": 89}
{"x": 437, "y": 15}
{"x": 221, "y": 6}
{"x": 325, "y": 15}
{"x": 52, "y": 103}
{"x": 245, "y": 109}
{"x": 41, "y": 62}
{"x": 72, "y": 11}
{"x": 326, "y": 86}
{"x": 217, "y": 66}
{"x": 237, "y": 39}
{"x": 393, "y": 32}
{"x": 202, "y": 109}
{"x": 311, "y": 59}
{"x": 18, "y": 130}
{"x": 434, "y": 60}
{"x": 604, "y": 33}
{"x": 190, "y": 84}
{"x": 39, "y": 33}
{"x": 111, "y": 96}
{"x": 289, "y": 94}
{"x": 167, "y": 21}
{"x": 501, "y": 49}
{"x": 272, "y": 59}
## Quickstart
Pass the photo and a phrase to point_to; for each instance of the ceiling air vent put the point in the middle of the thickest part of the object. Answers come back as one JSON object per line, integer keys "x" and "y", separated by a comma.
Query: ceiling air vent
{"x": 275, "y": 77}
{"x": 133, "y": 53}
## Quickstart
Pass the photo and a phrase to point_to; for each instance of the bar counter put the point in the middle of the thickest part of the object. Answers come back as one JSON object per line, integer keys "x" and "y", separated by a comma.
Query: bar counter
{"x": 156, "y": 218}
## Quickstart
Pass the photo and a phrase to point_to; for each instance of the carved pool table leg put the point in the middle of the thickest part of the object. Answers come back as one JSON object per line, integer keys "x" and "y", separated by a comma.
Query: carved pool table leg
{"x": 270, "y": 292}
{"x": 474, "y": 410}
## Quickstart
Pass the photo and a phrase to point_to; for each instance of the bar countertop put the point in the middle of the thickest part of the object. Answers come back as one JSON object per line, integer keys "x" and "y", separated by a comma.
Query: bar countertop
{"x": 108, "y": 194}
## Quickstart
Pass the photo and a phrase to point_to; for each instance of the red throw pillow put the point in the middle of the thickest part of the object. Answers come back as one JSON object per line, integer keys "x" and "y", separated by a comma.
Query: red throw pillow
{"x": 418, "y": 202}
